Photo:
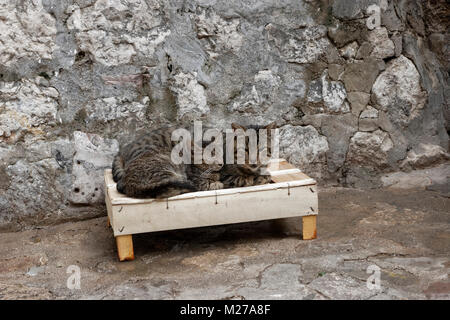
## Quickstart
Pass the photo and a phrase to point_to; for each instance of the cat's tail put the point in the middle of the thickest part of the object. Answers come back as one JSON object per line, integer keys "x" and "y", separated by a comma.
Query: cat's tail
{"x": 118, "y": 169}
{"x": 152, "y": 175}
{"x": 172, "y": 188}
{"x": 164, "y": 188}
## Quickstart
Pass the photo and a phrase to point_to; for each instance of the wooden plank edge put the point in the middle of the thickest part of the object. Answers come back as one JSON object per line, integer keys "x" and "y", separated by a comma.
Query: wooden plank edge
{"x": 118, "y": 233}
{"x": 123, "y": 200}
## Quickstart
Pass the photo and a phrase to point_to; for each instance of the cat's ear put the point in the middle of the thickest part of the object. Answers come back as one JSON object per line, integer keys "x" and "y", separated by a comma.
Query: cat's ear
{"x": 272, "y": 125}
{"x": 236, "y": 126}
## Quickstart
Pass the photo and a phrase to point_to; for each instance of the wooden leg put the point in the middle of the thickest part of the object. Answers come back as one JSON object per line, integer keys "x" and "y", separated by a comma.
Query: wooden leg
{"x": 125, "y": 247}
{"x": 108, "y": 223}
{"x": 309, "y": 227}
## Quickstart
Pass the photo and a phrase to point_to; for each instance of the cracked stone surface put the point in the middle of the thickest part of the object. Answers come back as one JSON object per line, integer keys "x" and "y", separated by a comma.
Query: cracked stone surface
{"x": 405, "y": 233}
{"x": 114, "y": 68}
{"x": 26, "y": 33}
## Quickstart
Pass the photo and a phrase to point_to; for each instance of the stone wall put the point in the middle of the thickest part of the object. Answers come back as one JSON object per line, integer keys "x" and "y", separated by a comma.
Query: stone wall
{"x": 357, "y": 95}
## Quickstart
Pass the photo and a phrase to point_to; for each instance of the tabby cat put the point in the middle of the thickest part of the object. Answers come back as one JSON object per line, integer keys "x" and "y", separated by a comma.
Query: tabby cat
{"x": 143, "y": 168}
{"x": 247, "y": 174}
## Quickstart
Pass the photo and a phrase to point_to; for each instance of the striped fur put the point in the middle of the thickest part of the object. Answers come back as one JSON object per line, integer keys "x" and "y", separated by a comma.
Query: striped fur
{"x": 247, "y": 174}
{"x": 143, "y": 169}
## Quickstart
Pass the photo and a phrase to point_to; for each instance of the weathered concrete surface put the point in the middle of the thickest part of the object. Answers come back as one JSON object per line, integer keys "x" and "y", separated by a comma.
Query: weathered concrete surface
{"x": 404, "y": 232}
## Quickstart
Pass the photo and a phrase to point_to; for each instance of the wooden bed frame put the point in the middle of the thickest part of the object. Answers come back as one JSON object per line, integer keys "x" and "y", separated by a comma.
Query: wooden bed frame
{"x": 292, "y": 194}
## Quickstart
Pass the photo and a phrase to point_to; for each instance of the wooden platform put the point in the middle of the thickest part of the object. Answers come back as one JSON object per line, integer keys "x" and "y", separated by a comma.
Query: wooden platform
{"x": 291, "y": 194}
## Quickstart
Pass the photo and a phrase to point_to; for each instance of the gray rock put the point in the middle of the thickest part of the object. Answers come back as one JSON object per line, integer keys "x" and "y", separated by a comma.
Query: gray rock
{"x": 335, "y": 71}
{"x": 338, "y": 130}
{"x": 97, "y": 30}
{"x": 434, "y": 178}
{"x": 334, "y": 95}
{"x": 345, "y": 33}
{"x": 27, "y": 107}
{"x": 331, "y": 93}
{"x": 425, "y": 155}
{"x": 27, "y": 32}
{"x": 390, "y": 19}
{"x": 364, "y": 50}
{"x": 432, "y": 80}
{"x": 360, "y": 76}
{"x": 303, "y": 146}
{"x": 370, "y": 149}
{"x": 262, "y": 94}
{"x": 307, "y": 46}
{"x": 315, "y": 91}
{"x": 190, "y": 95}
{"x": 220, "y": 35}
{"x": 358, "y": 101}
{"x": 368, "y": 120}
{"x": 398, "y": 91}
{"x": 114, "y": 108}
{"x": 383, "y": 47}
{"x": 439, "y": 45}
{"x": 40, "y": 186}
{"x": 397, "y": 40}
{"x": 369, "y": 113}
{"x": 93, "y": 155}
{"x": 353, "y": 9}
{"x": 349, "y": 51}
{"x": 347, "y": 10}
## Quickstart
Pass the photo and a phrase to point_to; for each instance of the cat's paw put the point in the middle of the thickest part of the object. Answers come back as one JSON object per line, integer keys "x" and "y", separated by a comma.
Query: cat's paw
{"x": 262, "y": 180}
{"x": 120, "y": 186}
{"x": 215, "y": 185}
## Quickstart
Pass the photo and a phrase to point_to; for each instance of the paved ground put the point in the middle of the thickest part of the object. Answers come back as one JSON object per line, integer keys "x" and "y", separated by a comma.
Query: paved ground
{"x": 406, "y": 233}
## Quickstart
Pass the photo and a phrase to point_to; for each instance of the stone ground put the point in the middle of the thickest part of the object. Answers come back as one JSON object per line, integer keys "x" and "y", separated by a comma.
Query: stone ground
{"x": 404, "y": 232}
